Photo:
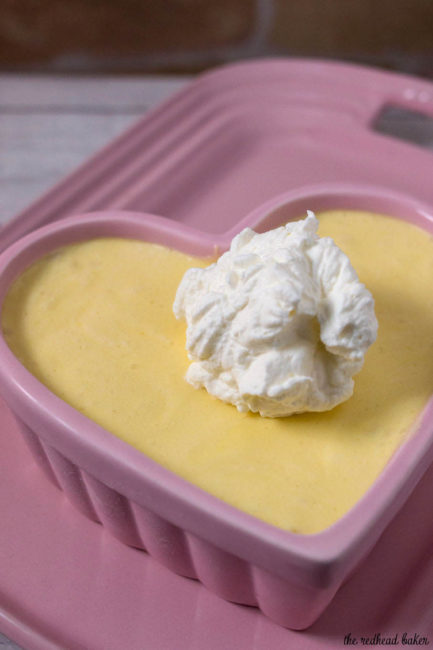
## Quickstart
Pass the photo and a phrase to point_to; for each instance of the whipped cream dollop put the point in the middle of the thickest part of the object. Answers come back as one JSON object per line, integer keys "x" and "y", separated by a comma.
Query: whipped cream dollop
{"x": 279, "y": 324}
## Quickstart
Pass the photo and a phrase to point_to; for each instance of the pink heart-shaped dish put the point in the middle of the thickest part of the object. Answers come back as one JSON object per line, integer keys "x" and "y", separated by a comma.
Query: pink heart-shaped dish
{"x": 291, "y": 577}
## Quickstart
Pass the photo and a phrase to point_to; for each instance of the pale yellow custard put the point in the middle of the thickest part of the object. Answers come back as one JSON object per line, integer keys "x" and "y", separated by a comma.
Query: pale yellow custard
{"x": 94, "y": 323}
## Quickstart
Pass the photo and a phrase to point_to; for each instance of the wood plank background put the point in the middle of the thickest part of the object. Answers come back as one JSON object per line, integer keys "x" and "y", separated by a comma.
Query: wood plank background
{"x": 49, "y": 125}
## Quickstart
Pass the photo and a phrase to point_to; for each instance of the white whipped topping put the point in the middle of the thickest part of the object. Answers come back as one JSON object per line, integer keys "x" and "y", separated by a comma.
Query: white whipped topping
{"x": 279, "y": 324}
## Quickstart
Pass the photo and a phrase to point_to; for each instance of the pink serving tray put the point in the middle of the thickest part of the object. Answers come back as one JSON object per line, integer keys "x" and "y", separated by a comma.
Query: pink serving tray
{"x": 238, "y": 137}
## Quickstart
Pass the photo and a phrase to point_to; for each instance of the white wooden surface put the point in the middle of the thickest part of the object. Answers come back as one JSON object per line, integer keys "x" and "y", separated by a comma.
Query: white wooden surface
{"x": 49, "y": 125}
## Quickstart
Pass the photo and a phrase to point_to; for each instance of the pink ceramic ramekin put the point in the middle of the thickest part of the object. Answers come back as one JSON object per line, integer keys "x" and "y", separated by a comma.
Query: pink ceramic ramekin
{"x": 291, "y": 577}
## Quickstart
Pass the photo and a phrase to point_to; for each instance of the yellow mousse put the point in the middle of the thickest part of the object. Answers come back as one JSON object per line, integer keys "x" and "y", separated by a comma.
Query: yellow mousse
{"x": 94, "y": 323}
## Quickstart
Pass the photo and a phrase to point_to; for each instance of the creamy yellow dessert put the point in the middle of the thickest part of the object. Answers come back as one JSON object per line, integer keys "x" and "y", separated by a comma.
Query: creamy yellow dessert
{"x": 94, "y": 323}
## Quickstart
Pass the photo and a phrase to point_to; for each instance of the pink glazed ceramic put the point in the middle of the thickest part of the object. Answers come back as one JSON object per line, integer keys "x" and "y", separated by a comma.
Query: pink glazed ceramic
{"x": 285, "y": 135}
{"x": 292, "y": 578}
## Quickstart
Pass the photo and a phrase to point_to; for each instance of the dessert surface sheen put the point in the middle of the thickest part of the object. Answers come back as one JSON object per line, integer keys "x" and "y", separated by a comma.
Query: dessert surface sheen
{"x": 94, "y": 322}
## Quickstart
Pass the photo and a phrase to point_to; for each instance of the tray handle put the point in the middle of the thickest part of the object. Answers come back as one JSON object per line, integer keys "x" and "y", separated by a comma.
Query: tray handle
{"x": 414, "y": 96}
